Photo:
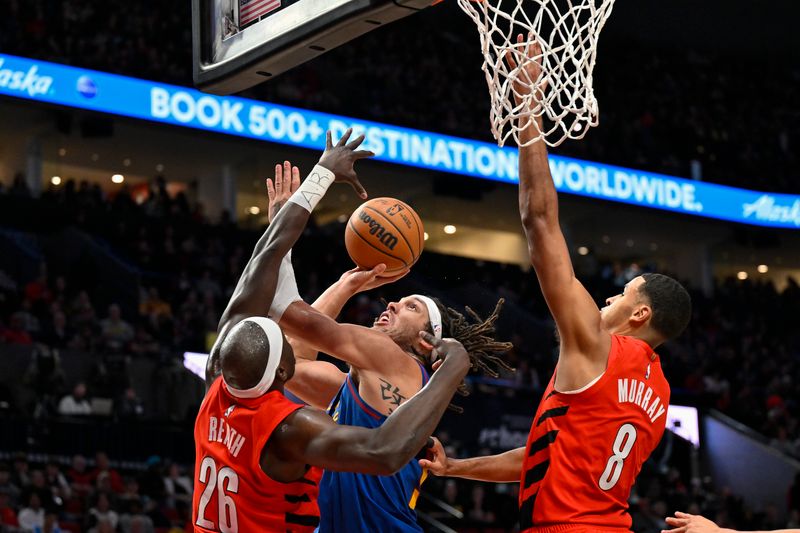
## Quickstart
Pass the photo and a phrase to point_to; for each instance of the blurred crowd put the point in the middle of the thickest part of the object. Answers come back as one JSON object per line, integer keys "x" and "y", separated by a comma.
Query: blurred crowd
{"x": 59, "y": 495}
{"x": 702, "y": 115}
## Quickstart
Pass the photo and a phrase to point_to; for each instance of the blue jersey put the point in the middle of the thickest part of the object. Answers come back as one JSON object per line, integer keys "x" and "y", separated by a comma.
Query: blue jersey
{"x": 354, "y": 503}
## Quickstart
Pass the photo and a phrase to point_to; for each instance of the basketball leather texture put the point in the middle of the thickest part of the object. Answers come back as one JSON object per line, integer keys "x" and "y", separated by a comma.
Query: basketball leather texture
{"x": 384, "y": 230}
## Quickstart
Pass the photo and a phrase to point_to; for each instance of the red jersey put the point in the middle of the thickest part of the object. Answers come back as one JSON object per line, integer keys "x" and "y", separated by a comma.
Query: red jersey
{"x": 586, "y": 447}
{"x": 231, "y": 492}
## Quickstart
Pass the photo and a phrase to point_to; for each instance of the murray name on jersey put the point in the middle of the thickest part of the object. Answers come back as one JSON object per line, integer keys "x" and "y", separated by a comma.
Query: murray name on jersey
{"x": 637, "y": 392}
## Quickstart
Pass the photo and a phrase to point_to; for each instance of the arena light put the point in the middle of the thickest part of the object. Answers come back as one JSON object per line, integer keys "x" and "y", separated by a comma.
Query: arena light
{"x": 763, "y": 269}
{"x": 117, "y": 178}
{"x": 449, "y": 229}
{"x": 62, "y": 152}
{"x": 55, "y": 180}
{"x": 583, "y": 250}
{"x": 426, "y": 236}
{"x": 742, "y": 275}
{"x": 254, "y": 210}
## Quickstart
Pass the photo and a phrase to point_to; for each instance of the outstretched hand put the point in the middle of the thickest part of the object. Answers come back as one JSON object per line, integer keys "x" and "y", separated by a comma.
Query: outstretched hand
{"x": 340, "y": 159}
{"x": 359, "y": 280}
{"x": 690, "y": 523}
{"x": 287, "y": 180}
{"x": 531, "y": 60}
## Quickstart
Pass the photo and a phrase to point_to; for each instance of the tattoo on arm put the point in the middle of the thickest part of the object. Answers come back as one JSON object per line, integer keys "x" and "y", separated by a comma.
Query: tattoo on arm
{"x": 391, "y": 393}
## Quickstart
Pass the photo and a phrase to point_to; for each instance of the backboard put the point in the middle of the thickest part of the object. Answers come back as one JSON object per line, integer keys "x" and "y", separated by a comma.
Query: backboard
{"x": 240, "y": 43}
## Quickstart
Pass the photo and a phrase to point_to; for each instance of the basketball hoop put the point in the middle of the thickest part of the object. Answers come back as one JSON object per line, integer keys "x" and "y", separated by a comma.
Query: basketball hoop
{"x": 567, "y": 31}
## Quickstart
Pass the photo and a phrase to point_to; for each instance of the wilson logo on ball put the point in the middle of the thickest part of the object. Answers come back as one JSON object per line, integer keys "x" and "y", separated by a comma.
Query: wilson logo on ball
{"x": 387, "y": 238}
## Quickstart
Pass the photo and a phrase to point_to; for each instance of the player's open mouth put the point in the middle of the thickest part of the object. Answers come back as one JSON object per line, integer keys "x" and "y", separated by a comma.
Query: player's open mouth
{"x": 384, "y": 319}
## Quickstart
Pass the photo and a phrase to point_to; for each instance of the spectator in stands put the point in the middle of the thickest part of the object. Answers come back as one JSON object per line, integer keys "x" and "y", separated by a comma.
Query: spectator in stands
{"x": 8, "y": 517}
{"x": 130, "y": 497}
{"x": 103, "y": 468}
{"x": 57, "y": 481}
{"x": 27, "y": 319}
{"x": 58, "y": 334}
{"x": 151, "y": 481}
{"x": 44, "y": 373}
{"x": 478, "y": 508}
{"x": 102, "y": 512}
{"x": 75, "y": 404}
{"x": 153, "y": 306}
{"x": 40, "y": 487}
{"x": 79, "y": 476}
{"x": 7, "y": 486}
{"x": 32, "y": 515}
{"x": 129, "y": 405}
{"x": 15, "y": 333}
{"x": 37, "y": 289}
{"x": 116, "y": 332}
{"x": 178, "y": 486}
{"x": 21, "y": 475}
{"x": 82, "y": 311}
{"x": 144, "y": 343}
{"x": 135, "y": 521}
{"x": 59, "y": 292}
{"x": 50, "y": 524}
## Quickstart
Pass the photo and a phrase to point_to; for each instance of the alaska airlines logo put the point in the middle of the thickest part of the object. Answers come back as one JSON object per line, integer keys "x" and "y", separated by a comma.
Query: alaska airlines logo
{"x": 387, "y": 238}
{"x": 29, "y": 82}
{"x": 766, "y": 208}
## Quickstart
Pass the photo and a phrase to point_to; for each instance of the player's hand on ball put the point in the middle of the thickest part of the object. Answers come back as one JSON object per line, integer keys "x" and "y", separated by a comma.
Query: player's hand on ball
{"x": 359, "y": 280}
{"x": 341, "y": 157}
{"x": 437, "y": 464}
{"x": 287, "y": 180}
{"x": 690, "y": 523}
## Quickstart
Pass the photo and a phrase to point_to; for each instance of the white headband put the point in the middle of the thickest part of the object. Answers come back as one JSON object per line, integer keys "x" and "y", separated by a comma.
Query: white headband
{"x": 434, "y": 315}
{"x": 275, "y": 338}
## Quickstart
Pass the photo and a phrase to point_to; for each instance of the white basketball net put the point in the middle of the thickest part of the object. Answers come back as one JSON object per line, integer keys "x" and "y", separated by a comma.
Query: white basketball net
{"x": 567, "y": 31}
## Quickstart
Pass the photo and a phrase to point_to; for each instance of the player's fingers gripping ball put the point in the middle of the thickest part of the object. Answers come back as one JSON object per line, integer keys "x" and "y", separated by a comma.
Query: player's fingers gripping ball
{"x": 384, "y": 230}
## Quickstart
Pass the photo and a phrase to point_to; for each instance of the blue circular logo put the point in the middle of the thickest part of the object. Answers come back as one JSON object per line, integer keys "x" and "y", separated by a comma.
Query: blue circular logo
{"x": 86, "y": 87}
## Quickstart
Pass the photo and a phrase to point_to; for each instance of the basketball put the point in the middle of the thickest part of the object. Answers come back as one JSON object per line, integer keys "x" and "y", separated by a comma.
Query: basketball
{"x": 384, "y": 230}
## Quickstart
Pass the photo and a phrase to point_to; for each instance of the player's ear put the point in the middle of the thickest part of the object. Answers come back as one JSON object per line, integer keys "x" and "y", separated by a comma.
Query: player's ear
{"x": 642, "y": 313}
{"x": 422, "y": 348}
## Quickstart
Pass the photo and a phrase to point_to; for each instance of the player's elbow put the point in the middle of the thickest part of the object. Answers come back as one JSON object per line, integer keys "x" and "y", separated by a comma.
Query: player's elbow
{"x": 537, "y": 222}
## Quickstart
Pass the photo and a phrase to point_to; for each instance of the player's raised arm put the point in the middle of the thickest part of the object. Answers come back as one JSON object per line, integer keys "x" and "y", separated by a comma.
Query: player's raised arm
{"x": 255, "y": 290}
{"x": 505, "y": 467}
{"x": 575, "y": 312}
{"x": 359, "y": 346}
{"x": 311, "y": 437}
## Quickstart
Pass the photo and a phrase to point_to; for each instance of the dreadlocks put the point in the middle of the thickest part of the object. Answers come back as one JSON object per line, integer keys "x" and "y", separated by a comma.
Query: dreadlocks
{"x": 475, "y": 333}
